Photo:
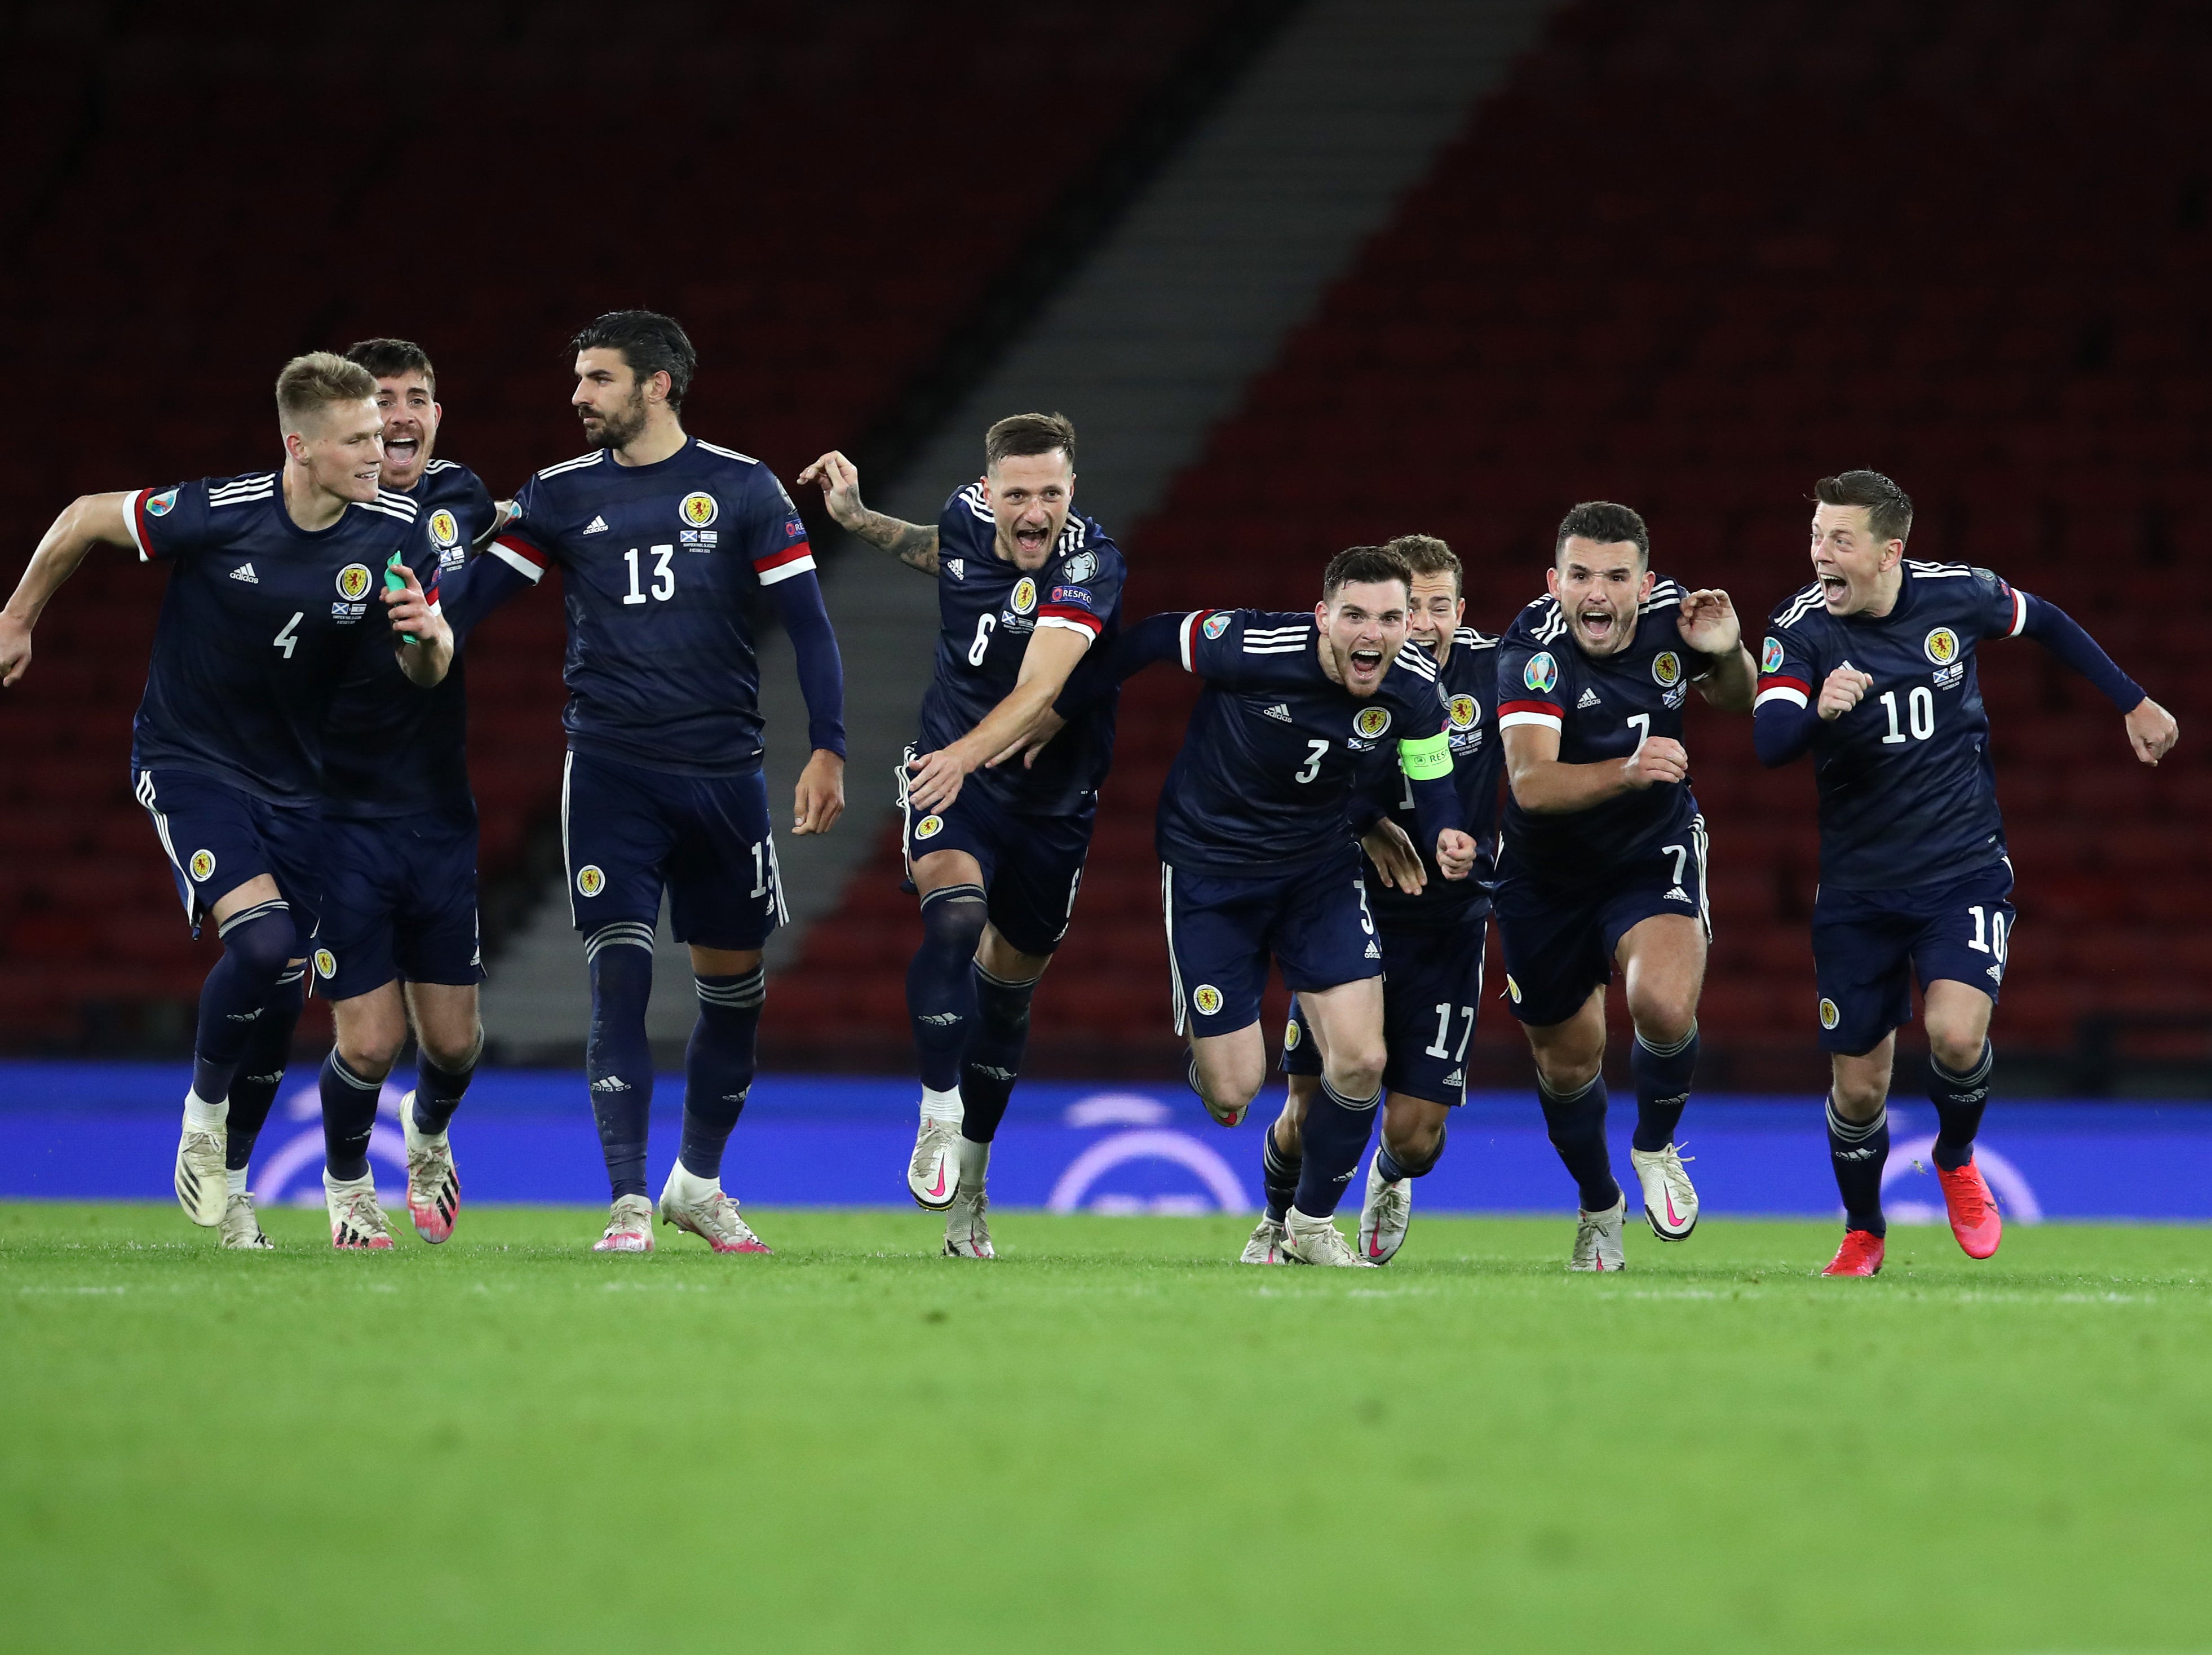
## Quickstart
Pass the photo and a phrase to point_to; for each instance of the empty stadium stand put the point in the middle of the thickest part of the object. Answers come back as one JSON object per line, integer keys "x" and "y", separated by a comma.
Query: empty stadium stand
{"x": 1697, "y": 253}
{"x": 822, "y": 193}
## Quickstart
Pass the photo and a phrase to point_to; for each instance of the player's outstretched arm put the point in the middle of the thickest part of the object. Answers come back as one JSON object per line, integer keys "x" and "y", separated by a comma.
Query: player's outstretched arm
{"x": 2151, "y": 729}
{"x": 1048, "y": 658}
{"x": 912, "y": 543}
{"x": 89, "y": 521}
{"x": 1543, "y": 786}
{"x": 1707, "y": 620}
{"x": 429, "y": 656}
{"x": 819, "y": 799}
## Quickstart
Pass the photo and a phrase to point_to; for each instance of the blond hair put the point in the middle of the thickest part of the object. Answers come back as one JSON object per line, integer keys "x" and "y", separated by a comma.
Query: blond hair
{"x": 319, "y": 380}
{"x": 1426, "y": 554}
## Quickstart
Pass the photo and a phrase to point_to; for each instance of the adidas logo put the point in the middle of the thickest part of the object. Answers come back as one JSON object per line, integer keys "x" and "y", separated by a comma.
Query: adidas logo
{"x": 1279, "y": 710}
{"x": 1997, "y": 973}
{"x": 1456, "y": 1077}
{"x": 995, "y": 1073}
{"x": 1373, "y": 953}
{"x": 245, "y": 572}
{"x": 1676, "y": 895}
{"x": 597, "y": 525}
{"x": 1589, "y": 699}
{"x": 957, "y": 568}
{"x": 612, "y": 1083}
{"x": 940, "y": 1019}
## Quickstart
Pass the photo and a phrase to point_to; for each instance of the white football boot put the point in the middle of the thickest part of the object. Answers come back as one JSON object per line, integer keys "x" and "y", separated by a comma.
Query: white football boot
{"x": 357, "y": 1223}
{"x": 1670, "y": 1201}
{"x": 707, "y": 1212}
{"x": 1265, "y": 1244}
{"x": 1597, "y": 1238}
{"x": 932, "y": 1175}
{"x": 629, "y": 1228}
{"x": 1384, "y": 1214}
{"x": 201, "y": 1189}
{"x": 240, "y": 1229}
{"x": 967, "y": 1221}
{"x": 434, "y": 1186}
{"x": 1310, "y": 1240}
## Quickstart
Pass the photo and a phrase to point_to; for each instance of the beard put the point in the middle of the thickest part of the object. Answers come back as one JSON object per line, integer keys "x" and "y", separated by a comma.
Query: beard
{"x": 617, "y": 430}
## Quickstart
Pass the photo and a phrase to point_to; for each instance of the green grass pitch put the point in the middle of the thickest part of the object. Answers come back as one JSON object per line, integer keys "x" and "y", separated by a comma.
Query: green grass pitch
{"x": 1112, "y": 1439}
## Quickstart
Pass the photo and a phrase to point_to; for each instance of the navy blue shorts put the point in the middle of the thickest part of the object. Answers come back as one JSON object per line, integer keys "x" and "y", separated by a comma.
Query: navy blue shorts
{"x": 1032, "y": 864}
{"x": 217, "y": 837}
{"x": 628, "y": 833}
{"x": 399, "y": 900}
{"x": 1868, "y": 945}
{"x": 1431, "y": 995}
{"x": 1560, "y": 940}
{"x": 1222, "y": 931}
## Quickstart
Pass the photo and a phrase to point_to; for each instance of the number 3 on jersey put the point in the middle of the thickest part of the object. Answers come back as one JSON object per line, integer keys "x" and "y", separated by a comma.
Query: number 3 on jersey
{"x": 664, "y": 575}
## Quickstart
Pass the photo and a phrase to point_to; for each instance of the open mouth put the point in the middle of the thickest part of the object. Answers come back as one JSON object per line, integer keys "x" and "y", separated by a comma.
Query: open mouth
{"x": 1834, "y": 587}
{"x": 1597, "y": 624}
{"x": 402, "y": 451}
{"x": 1032, "y": 540}
{"x": 1363, "y": 666}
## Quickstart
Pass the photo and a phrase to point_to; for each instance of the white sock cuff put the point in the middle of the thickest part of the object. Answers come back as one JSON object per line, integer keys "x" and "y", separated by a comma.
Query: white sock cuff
{"x": 942, "y": 1105}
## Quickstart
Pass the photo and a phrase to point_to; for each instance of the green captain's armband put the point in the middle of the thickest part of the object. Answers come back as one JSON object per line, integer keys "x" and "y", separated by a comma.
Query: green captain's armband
{"x": 1426, "y": 759}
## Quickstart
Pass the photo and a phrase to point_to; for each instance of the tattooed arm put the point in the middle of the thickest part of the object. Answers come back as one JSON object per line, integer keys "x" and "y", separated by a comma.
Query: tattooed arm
{"x": 912, "y": 543}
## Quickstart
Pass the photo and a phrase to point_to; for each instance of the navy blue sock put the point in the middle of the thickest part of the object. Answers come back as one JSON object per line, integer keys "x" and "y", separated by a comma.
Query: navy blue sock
{"x": 257, "y": 943}
{"x": 1577, "y": 1126}
{"x": 1858, "y": 1151}
{"x": 618, "y": 1060}
{"x": 941, "y": 982}
{"x": 261, "y": 1068}
{"x": 1394, "y": 1167}
{"x": 1662, "y": 1088}
{"x": 349, "y": 1118}
{"x": 1960, "y": 1100}
{"x": 718, "y": 1067}
{"x": 1279, "y": 1174}
{"x": 1335, "y": 1134}
{"x": 993, "y": 1061}
{"x": 438, "y": 1091}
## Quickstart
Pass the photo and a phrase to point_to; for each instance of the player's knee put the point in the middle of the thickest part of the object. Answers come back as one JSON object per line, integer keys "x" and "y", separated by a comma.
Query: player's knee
{"x": 262, "y": 939}
{"x": 1356, "y": 1070}
{"x": 1663, "y": 1018}
{"x": 1957, "y": 1045}
{"x": 952, "y": 920}
{"x": 1565, "y": 1070}
{"x": 370, "y": 1053}
{"x": 1415, "y": 1143}
{"x": 453, "y": 1055}
{"x": 1859, "y": 1097}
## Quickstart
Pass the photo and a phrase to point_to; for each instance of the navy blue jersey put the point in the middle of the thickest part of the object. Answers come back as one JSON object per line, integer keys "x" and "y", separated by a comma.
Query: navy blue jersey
{"x": 1908, "y": 793}
{"x": 989, "y": 608}
{"x": 260, "y": 625}
{"x": 1276, "y": 750}
{"x": 1467, "y": 685}
{"x": 1603, "y": 708}
{"x": 660, "y": 567}
{"x": 389, "y": 747}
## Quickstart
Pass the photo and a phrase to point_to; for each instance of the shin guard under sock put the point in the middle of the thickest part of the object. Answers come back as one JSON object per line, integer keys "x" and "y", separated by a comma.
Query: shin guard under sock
{"x": 618, "y": 1058}
{"x": 718, "y": 1067}
{"x": 348, "y": 1119}
{"x": 1960, "y": 1100}
{"x": 261, "y": 1066}
{"x": 1279, "y": 1174}
{"x": 941, "y": 981}
{"x": 992, "y": 1061}
{"x": 438, "y": 1091}
{"x": 1662, "y": 1088}
{"x": 1575, "y": 1124}
{"x": 1335, "y": 1134}
{"x": 257, "y": 943}
{"x": 1858, "y": 1150}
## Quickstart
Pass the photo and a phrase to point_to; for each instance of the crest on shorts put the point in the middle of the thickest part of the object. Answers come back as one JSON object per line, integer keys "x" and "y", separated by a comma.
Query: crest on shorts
{"x": 1024, "y": 599}
{"x": 444, "y": 530}
{"x": 1207, "y": 999}
{"x": 1371, "y": 721}
{"x": 1464, "y": 711}
{"x": 202, "y": 865}
{"x": 1829, "y": 1015}
{"x": 1542, "y": 673}
{"x": 162, "y": 503}
{"x": 1292, "y": 1035}
{"x": 698, "y": 509}
{"x": 353, "y": 583}
{"x": 1215, "y": 626}
{"x": 1512, "y": 989}
{"x": 1942, "y": 646}
{"x": 929, "y": 827}
{"x": 590, "y": 881}
{"x": 1770, "y": 656}
{"x": 326, "y": 963}
{"x": 1666, "y": 669}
